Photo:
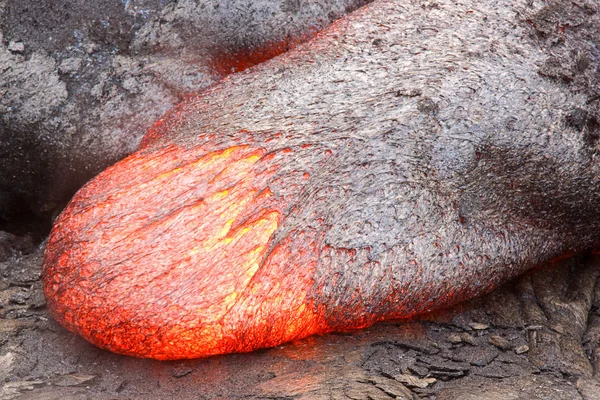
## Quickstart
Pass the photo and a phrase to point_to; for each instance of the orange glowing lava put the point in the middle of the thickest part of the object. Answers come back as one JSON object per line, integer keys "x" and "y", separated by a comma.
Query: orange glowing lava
{"x": 170, "y": 254}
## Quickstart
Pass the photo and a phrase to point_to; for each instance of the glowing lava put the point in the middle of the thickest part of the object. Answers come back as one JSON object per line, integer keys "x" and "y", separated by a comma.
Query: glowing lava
{"x": 190, "y": 270}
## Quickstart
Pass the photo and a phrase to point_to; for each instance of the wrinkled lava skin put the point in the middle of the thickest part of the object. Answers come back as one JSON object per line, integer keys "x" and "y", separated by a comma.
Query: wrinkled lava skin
{"x": 407, "y": 158}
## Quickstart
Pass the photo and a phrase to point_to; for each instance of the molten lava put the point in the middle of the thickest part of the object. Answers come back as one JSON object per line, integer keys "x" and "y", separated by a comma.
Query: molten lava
{"x": 195, "y": 273}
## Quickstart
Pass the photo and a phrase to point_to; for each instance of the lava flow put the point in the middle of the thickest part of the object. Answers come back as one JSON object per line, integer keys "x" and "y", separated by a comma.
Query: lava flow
{"x": 378, "y": 172}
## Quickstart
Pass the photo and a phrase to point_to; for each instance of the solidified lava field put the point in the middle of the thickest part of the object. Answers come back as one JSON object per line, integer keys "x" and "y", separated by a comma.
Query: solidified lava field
{"x": 535, "y": 338}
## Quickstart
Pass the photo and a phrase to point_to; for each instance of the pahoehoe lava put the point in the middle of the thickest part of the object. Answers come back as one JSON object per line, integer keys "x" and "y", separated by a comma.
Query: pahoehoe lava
{"x": 412, "y": 155}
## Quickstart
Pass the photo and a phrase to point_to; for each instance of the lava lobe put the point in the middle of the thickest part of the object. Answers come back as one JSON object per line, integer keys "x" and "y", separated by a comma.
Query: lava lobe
{"x": 405, "y": 159}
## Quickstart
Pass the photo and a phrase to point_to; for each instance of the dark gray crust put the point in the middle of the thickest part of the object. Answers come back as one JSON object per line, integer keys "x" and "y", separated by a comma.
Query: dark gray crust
{"x": 457, "y": 161}
{"x": 82, "y": 81}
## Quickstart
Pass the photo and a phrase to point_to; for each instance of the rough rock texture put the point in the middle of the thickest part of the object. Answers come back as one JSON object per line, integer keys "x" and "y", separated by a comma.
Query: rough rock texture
{"x": 411, "y": 156}
{"x": 479, "y": 350}
{"x": 81, "y": 81}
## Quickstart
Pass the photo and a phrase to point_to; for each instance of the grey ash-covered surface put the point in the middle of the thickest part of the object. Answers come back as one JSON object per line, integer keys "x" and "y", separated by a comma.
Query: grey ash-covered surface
{"x": 535, "y": 338}
{"x": 81, "y": 81}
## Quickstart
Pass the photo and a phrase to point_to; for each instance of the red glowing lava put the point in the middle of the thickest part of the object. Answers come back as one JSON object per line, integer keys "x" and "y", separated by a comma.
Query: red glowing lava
{"x": 170, "y": 255}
